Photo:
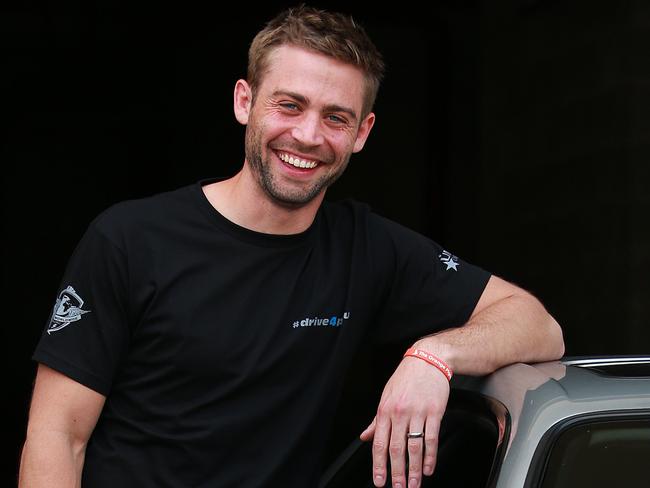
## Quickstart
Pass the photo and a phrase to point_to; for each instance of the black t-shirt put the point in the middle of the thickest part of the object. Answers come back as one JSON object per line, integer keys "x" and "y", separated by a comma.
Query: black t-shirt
{"x": 222, "y": 350}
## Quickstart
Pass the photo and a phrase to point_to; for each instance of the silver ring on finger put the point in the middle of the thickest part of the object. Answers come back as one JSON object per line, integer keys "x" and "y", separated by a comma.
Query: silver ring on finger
{"x": 415, "y": 435}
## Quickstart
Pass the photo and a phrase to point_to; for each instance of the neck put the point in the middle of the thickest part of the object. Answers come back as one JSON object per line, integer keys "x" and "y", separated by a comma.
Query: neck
{"x": 243, "y": 202}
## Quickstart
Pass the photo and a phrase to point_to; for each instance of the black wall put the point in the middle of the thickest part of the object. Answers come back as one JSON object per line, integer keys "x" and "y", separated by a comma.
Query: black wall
{"x": 515, "y": 133}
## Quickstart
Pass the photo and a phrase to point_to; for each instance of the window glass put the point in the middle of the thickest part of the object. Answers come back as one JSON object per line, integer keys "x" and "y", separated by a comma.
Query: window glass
{"x": 468, "y": 444}
{"x": 601, "y": 453}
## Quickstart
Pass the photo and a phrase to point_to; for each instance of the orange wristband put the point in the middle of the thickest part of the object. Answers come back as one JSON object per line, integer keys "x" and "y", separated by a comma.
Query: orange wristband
{"x": 431, "y": 359}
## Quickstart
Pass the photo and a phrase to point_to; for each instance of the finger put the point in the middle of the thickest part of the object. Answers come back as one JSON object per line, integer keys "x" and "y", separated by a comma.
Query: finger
{"x": 368, "y": 434}
{"x": 397, "y": 450}
{"x": 431, "y": 445}
{"x": 415, "y": 448}
{"x": 380, "y": 449}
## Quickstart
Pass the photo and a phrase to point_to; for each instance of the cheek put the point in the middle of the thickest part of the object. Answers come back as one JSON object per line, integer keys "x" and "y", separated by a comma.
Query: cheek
{"x": 344, "y": 142}
{"x": 272, "y": 128}
{"x": 258, "y": 131}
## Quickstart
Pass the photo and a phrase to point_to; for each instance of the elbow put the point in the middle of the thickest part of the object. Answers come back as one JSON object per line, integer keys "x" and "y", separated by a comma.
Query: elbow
{"x": 555, "y": 339}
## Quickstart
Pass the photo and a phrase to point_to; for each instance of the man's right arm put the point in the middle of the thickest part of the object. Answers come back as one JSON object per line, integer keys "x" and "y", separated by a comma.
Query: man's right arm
{"x": 62, "y": 416}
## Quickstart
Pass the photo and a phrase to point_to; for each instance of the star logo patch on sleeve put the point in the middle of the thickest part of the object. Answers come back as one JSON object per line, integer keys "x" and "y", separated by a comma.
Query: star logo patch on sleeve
{"x": 449, "y": 260}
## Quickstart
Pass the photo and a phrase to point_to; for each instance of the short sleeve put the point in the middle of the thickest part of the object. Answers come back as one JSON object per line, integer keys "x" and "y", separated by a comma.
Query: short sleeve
{"x": 88, "y": 331}
{"x": 430, "y": 289}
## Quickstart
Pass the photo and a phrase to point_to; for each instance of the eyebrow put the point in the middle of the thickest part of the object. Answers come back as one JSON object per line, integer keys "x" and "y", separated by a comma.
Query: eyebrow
{"x": 328, "y": 108}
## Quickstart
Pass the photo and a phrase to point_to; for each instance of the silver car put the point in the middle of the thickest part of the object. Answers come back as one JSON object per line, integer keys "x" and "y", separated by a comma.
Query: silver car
{"x": 562, "y": 424}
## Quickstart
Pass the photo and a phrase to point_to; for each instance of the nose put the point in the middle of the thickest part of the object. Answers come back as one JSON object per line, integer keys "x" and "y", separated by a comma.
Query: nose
{"x": 307, "y": 130}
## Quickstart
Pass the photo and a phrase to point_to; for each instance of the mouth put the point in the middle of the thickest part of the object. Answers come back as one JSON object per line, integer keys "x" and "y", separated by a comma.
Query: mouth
{"x": 296, "y": 161}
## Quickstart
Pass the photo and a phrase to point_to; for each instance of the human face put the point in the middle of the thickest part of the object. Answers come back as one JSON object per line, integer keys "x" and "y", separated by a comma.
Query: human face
{"x": 303, "y": 124}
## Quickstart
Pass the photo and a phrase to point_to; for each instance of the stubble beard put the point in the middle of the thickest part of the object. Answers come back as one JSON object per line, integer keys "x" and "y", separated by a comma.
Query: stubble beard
{"x": 286, "y": 196}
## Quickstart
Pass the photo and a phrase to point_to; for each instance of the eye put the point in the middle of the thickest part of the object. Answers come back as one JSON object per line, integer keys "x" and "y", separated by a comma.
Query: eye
{"x": 289, "y": 106}
{"x": 336, "y": 119}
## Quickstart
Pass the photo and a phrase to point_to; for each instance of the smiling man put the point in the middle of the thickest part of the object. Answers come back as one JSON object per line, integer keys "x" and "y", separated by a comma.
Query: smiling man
{"x": 299, "y": 85}
{"x": 303, "y": 122}
{"x": 219, "y": 319}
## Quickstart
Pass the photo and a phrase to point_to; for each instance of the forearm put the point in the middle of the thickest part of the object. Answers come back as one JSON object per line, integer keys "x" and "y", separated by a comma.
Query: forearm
{"x": 514, "y": 329}
{"x": 508, "y": 325}
{"x": 51, "y": 459}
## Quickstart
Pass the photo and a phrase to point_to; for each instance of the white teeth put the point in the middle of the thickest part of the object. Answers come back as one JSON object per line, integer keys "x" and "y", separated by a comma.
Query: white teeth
{"x": 298, "y": 163}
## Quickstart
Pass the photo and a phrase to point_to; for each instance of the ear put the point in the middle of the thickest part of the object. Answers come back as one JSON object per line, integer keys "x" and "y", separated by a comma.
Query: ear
{"x": 243, "y": 98}
{"x": 363, "y": 132}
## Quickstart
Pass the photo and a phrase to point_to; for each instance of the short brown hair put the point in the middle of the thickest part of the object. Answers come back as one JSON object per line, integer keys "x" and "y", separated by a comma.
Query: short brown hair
{"x": 333, "y": 34}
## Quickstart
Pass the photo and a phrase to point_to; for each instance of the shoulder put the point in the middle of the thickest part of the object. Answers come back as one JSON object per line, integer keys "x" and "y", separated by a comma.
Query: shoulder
{"x": 382, "y": 237}
{"x": 136, "y": 216}
{"x": 353, "y": 212}
{"x": 344, "y": 210}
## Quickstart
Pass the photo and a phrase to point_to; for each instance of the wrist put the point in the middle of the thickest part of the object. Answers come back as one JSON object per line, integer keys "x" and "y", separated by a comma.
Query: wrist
{"x": 432, "y": 359}
{"x": 434, "y": 345}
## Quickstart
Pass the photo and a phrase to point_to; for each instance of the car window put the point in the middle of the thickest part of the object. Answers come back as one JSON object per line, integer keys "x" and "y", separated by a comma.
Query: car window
{"x": 470, "y": 436}
{"x": 600, "y": 453}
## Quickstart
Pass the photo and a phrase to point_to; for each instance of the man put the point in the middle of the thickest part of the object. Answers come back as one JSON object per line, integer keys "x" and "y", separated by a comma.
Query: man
{"x": 216, "y": 321}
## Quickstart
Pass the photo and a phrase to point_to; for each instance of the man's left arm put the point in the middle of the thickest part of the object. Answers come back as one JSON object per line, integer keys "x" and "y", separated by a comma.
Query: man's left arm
{"x": 508, "y": 325}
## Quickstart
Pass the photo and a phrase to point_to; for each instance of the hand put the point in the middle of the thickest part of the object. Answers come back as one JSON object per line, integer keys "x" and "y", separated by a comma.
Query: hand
{"x": 414, "y": 400}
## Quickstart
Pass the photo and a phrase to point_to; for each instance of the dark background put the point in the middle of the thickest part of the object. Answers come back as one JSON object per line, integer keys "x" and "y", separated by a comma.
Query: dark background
{"x": 515, "y": 133}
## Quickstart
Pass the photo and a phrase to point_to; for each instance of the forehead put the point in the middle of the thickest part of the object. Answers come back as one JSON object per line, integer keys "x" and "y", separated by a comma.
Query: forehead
{"x": 318, "y": 77}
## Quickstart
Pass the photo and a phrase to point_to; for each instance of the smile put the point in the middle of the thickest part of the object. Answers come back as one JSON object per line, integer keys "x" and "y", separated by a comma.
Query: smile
{"x": 297, "y": 162}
